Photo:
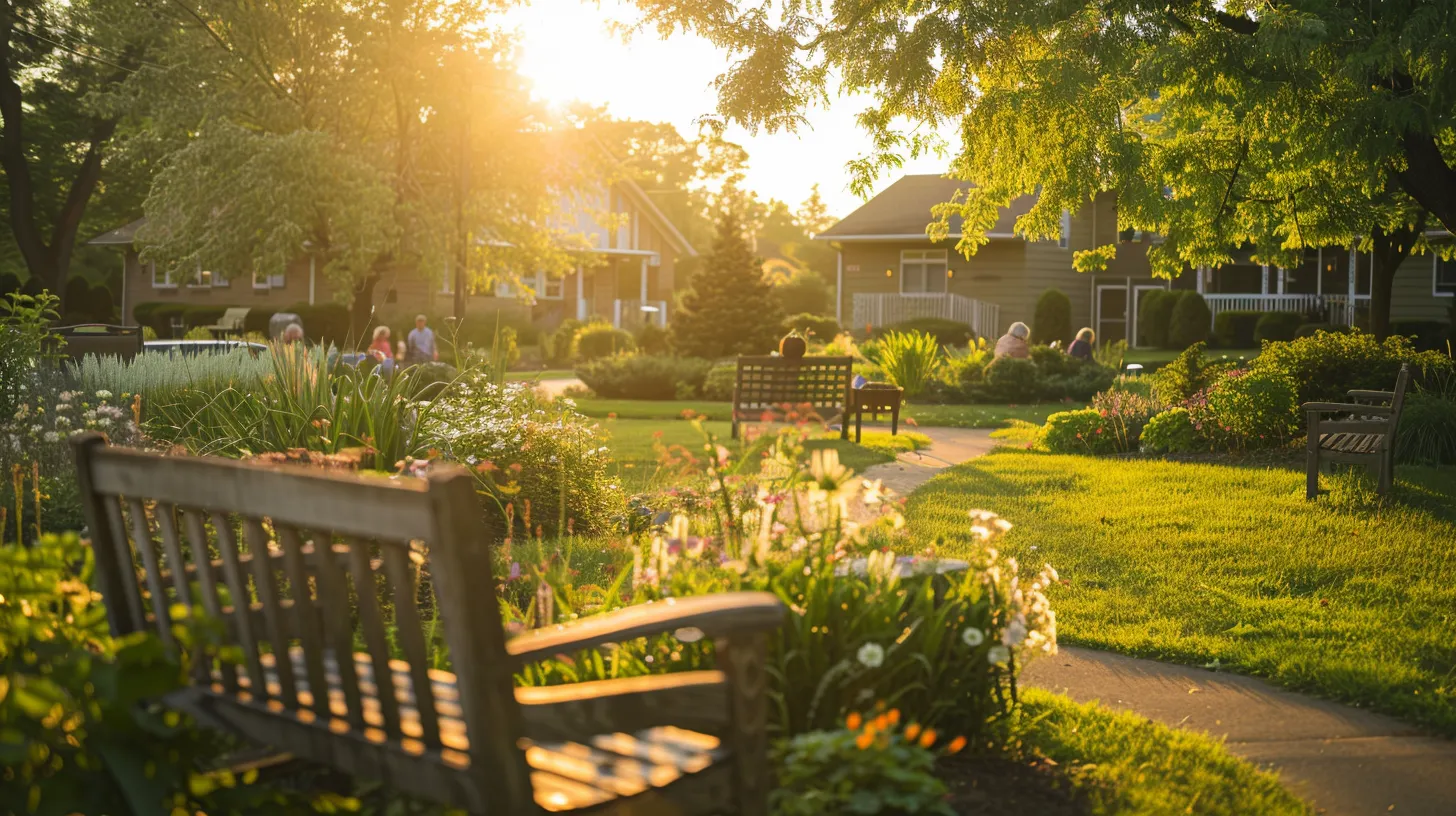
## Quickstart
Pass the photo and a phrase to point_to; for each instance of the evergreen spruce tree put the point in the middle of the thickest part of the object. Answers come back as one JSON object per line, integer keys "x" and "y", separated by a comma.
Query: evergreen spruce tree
{"x": 730, "y": 309}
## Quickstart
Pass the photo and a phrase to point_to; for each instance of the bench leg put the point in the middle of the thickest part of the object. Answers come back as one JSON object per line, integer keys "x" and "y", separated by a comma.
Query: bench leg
{"x": 742, "y": 658}
{"x": 1311, "y": 462}
{"x": 858, "y": 425}
{"x": 894, "y": 421}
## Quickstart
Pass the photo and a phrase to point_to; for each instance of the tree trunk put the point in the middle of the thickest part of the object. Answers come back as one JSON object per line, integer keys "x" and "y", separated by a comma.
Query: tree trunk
{"x": 1428, "y": 178}
{"x": 1391, "y": 248}
{"x": 362, "y": 308}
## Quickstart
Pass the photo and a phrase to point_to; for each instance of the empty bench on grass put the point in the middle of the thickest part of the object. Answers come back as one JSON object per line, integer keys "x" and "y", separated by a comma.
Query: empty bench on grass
{"x": 231, "y": 323}
{"x": 1364, "y": 436}
{"x": 768, "y": 384}
{"x": 324, "y": 561}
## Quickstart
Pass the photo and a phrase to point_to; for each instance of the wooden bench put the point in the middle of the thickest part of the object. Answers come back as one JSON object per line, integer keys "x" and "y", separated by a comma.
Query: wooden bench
{"x": 100, "y": 339}
{"x": 231, "y": 322}
{"x": 309, "y": 563}
{"x": 767, "y": 384}
{"x": 1364, "y": 436}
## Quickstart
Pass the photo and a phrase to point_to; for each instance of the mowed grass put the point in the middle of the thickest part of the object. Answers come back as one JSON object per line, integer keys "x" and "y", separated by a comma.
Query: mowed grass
{"x": 1232, "y": 568}
{"x": 536, "y": 376}
{"x": 1152, "y": 359}
{"x": 931, "y": 416}
{"x": 1121, "y": 763}
{"x": 633, "y": 443}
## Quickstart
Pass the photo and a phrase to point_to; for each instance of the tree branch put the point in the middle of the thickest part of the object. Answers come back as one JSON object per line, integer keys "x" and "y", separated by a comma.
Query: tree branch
{"x": 1428, "y": 178}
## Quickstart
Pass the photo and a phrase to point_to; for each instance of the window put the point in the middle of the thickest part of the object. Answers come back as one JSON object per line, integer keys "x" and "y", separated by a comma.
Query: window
{"x": 206, "y": 278}
{"x": 1066, "y": 239}
{"x": 549, "y": 288}
{"x": 164, "y": 277}
{"x": 922, "y": 271}
{"x": 262, "y": 281}
{"x": 1444, "y": 277}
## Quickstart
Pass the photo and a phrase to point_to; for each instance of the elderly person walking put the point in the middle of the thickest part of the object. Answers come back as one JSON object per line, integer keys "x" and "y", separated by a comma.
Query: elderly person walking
{"x": 1013, "y": 342}
{"x": 1081, "y": 348}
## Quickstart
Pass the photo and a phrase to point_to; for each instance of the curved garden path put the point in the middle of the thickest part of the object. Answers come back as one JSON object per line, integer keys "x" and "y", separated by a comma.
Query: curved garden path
{"x": 1345, "y": 761}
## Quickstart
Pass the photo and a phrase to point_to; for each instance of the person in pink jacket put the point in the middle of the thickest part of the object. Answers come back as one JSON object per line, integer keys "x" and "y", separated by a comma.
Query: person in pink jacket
{"x": 1013, "y": 342}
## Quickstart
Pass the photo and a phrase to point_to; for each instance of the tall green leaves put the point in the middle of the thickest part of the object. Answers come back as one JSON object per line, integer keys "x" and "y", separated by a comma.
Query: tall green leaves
{"x": 909, "y": 359}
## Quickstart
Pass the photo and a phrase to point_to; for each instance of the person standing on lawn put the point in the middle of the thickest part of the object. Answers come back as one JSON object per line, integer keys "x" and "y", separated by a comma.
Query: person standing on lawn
{"x": 1081, "y": 347}
{"x": 1013, "y": 342}
{"x": 422, "y": 343}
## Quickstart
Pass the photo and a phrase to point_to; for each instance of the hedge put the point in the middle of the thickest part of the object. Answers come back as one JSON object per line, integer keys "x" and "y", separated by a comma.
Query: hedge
{"x": 821, "y": 328}
{"x": 322, "y": 322}
{"x": 1235, "y": 328}
{"x": 1155, "y": 312}
{"x": 1189, "y": 321}
{"x": 1278, "y": 326}
{"x": 1052, "y": 320}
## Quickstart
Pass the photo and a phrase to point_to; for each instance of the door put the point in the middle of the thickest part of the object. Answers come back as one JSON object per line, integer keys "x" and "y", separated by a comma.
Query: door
{"x": 1138, "y": 293}
{"x": 1111, "y": 314}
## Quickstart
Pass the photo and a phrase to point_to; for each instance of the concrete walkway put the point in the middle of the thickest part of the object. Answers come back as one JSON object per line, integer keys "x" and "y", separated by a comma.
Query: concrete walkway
{"x": 552, "y": 389}
{"x": 950, "y": 446}
{"x": 1345, "y": 761}
{"x": 1341, "y": 759}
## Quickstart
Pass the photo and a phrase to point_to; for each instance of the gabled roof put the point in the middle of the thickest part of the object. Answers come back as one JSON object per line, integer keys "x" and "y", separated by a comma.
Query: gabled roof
{"x": 658, "y": 219}
{"x": 902, "y": 212}
{"x": 124, "y": 235}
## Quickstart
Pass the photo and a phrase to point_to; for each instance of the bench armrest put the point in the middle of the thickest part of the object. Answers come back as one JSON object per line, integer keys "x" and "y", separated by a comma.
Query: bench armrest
{"x": 1344, "y": 407}
{"x": 725, "y": 613}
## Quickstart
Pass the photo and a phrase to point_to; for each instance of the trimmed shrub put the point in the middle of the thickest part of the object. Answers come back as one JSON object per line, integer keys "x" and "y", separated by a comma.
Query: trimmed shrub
{"x": 328, "y": 323}
{"x": 718, "y": 385}
{"x": 946, "y": 332}
{"x": 1171, "y": 431}
{"x": 1278, "y": 327}
{"x": 820, "y": 328}
{"x": 158, "y": 316}
{"x": 1235, "y": 328}
{"x": 1080, "y": 431}
{"x": 1052, "y": 320}
{"x": 1311, "y": 329}
{"x": 805, "y": 292}
{"x": 596, "y": 340}
{"x": 558, "y": 343}
{"x": 1012, "y": 378}
{"x": 1183, "y": 376}
{"x": 1188, "y": 323}
{"x": 1251, "y": 409}
{"x": 641, "y": 376}
{"x": 1425, "y": 335}
{"x": 1327, "y": 364}
{"x": 1154, "y": 313}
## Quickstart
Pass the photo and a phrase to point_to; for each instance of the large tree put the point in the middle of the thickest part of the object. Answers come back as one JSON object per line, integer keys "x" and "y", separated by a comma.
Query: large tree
{"x": 64, "y": 71}
{"x": 1281, "y": 124}
{"x": 380, "y": 136}
{"x": 729, "y": 308}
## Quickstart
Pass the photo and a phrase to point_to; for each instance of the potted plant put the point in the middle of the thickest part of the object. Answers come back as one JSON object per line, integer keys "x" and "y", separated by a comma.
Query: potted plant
{"x": 794, "y": 345}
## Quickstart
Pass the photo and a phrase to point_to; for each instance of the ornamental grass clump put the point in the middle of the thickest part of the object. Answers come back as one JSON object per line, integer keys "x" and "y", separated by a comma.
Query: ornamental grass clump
{"x": 909, "y": 359}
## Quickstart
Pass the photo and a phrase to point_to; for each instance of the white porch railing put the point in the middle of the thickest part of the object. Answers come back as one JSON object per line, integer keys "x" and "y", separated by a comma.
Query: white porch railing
{"x": 877, "y": 310}
{"x": 633, "y": 314}
{"x": 1337, "y": 309}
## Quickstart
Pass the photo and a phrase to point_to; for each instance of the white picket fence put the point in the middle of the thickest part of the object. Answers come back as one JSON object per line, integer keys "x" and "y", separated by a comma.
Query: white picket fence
{"x": 878, "y": 310}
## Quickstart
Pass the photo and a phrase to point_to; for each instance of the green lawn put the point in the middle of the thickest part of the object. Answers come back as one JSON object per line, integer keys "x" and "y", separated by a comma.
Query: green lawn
{"x": 636, "y": 461}
{"x": 1151, "y": 359}
{"x": 534, "y": 376}
{"x": 945, "y": 416}
{"x": 1121, "y": 763}
{"x": 1231, "y": 567}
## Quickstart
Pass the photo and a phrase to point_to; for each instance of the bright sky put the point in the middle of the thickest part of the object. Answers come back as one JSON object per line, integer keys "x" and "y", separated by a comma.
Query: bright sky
{"x": 569, "y": 53}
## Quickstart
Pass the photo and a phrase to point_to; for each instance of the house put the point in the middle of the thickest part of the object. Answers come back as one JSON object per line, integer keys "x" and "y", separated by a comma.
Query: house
{"x": 888, "y": 271}
{"x": 627, "y": 272}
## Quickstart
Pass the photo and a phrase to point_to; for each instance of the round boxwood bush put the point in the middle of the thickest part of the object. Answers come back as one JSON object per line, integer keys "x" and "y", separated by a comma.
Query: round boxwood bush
{"x": 596, "y": 340}
{"x": 820, "y": 328}
{"x": 1278, "y": 326}
{"x": 1234, "y": 328}
{"x": 947, "y": 332}
{"x": 1154, "y": 312}
{"x": 1311, "y": 329}
{"x": 1189, "y": 321}
{"x": 1052, "y": 320}
{"x": 557, "y": 345}
{"x": 1079, "y": 431}
{"x": 1171, "y": 431}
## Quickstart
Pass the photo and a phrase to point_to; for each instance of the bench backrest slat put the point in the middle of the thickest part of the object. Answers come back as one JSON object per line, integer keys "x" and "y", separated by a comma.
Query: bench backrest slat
{"x": 1397, "y": 398}
{"x": 309, "y": 564}
{"x": 773, "y": 382}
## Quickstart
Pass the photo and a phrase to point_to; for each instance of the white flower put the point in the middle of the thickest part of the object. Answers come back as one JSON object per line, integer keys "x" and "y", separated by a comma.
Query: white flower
{"x": 1014, "y": 633}
{"x": 103, "y": 394}
{"x": 871, "y": 655}
{"x": 973, "y": 637}
{"x": 52, "y": 436}
{"x": 998, "y": 655}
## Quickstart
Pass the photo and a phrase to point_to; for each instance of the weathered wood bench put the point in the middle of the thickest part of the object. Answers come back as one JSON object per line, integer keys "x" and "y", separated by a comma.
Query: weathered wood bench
{"x": 1365, "y": 435}
{"x": 768, "y": 384}
{"x": 300, "y": 565}
{"x": 231, "y": 323}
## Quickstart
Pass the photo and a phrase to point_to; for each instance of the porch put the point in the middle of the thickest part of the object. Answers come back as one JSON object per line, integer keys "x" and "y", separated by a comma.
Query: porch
{"x": 880, "y": 309}
{"x": 1331, "y": 285}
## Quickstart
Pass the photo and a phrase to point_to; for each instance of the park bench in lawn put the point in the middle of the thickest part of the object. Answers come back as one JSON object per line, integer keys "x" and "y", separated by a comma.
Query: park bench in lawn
{"x": 1364, "y": 436}
{"x": 768, "y": 384}
{"x": 231, "y": 322}
{"x": 299, "y": 565}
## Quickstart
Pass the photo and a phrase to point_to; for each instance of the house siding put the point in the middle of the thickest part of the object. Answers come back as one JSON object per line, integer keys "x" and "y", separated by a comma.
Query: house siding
{"x": 138, "y": 289}
{"x": 1412, "y": 295}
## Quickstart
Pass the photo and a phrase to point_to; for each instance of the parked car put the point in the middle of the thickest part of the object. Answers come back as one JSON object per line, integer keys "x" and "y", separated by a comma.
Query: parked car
{"x": 192, "y": 348}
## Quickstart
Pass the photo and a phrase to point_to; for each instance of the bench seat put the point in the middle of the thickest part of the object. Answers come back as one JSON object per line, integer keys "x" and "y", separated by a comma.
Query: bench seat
{"x": 1351, "y": 442}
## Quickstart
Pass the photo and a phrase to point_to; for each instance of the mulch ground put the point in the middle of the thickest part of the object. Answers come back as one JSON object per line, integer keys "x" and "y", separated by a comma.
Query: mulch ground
{"x": 991, "y": 786}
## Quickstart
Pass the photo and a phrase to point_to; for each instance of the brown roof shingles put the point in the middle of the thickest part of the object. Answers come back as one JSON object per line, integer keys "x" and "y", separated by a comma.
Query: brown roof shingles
{"x": 904, "y": 210}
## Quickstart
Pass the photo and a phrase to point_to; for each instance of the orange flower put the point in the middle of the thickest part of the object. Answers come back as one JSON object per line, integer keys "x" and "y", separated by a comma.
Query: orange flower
{"x": 894, "y": 716}
{"x": 852, "y": 722}
{"x": 956, "y": 745}
{"x": 928, "y": 738}
{"x": 882, "y": 722}
{"x": 912, "y": 731}
{"x": 864, "y": 741}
